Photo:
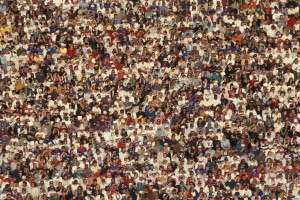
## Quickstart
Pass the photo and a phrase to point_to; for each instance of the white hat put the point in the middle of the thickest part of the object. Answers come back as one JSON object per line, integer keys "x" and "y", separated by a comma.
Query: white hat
{"x": 81, "y": 127}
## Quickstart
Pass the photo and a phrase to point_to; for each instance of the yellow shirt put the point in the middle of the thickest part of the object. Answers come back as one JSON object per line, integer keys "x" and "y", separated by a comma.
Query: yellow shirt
{"x": 38, "y": 58}
{"x": 18, "y": 85}
{"x": 7, "y": 29}
{"x": 94, "y": 169}
{"x": 63, "y": 50}
{"x": 2, "y": 30}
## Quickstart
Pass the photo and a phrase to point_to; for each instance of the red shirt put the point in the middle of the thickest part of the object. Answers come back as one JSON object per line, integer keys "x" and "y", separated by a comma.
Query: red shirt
{"x": 113, "y": 35}
{"x": 71, "y": 52}
{"x": 95, "y": 55}
{"x": 223, "y": 2}
{"x": 9, "y": 180}
{"x": 121, "y": 75}
{"x": 97, "y": 174}
{"x": 275, "y": 103}
{"x": 126, "y": 180}
{"x": 291, "y": 22}
{"x": 30, "y": 58}
{"x": 81, "y": 149}
{"x": 119, "y": 66}
{"x": 30, "y": 180}
{"x": 268, "y": 10}
{"x": 119, "y": 145}
{"x": 246, "y": 174}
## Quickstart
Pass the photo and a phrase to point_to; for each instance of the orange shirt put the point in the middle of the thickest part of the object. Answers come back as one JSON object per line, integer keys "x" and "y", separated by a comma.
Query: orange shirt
{"x": 238, "y": 39}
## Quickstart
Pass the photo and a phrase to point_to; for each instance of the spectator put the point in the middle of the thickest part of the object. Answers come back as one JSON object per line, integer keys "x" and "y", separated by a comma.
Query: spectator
{"x": 149, "y": 99}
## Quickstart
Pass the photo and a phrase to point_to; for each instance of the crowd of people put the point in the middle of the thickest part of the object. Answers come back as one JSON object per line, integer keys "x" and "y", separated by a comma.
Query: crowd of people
{"x": 149, "y": 99}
